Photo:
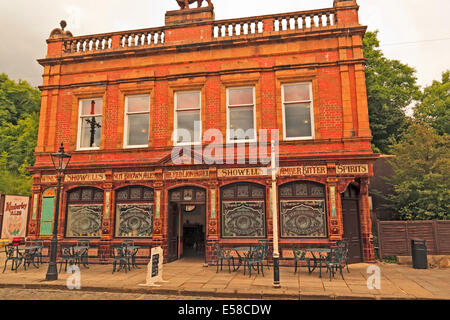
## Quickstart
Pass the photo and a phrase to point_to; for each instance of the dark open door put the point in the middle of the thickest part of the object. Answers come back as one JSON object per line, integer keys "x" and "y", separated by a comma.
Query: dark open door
{"x": 174, "y": 221}
{"x": 352, "y": 229}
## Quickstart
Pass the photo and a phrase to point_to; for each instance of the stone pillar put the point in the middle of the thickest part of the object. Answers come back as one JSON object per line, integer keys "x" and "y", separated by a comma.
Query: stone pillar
{"x": 187, "y": 25}
{"x": 346, "y": 12}
{"x": 160, "y": 214}
{"x": 108, "y": 219}
{"x": 366, "y": 222}
{"x": 33, "y": 224}
{"x": 212, "y": 215}
{"x": 335, "y": 229}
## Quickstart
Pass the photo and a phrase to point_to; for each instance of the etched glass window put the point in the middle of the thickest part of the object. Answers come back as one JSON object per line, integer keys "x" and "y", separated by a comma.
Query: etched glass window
{"x": 84, "y": 212}
{"x": 90, "y": 123}
{"x": 137, "y": 121}
{"x": 297, "y": 111}
{"x": 243, "y": 211}
{"x": 303, "y": 210}
{"x": 241, "y": 114}
{"x": 134, "y": 212}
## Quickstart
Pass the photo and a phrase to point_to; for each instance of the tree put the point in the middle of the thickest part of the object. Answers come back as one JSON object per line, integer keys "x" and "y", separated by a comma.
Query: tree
{"x": 19, "y": 119}
{"x": 434, "y": 105}
{"x": 421, "y": 185}
{"x": 391, "y": 88}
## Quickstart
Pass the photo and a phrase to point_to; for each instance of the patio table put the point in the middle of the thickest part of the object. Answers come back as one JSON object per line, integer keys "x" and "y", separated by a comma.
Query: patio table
{"x": 29, "y": 254}
{"x": 318, "y": 255}
{"x": 239, "y": 251}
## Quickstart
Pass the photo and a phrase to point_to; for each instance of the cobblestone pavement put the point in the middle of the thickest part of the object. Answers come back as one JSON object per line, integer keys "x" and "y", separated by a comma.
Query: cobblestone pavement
{"x": 47, "y": 294}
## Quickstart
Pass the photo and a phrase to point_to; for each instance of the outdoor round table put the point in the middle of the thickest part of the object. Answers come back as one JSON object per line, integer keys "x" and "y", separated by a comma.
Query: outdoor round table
{"x": 318, "y": 259}
{"x": 238, "y": 250}
{"x": 31, "y": 251}
{"x": 4, "y": 242}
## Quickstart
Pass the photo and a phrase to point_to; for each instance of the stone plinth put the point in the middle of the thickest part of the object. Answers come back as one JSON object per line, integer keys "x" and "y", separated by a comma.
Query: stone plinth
{"x": 189, "y": 16}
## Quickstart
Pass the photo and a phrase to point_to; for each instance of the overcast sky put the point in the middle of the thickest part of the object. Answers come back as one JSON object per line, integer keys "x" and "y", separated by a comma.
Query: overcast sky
{"x": 416, "y": 32}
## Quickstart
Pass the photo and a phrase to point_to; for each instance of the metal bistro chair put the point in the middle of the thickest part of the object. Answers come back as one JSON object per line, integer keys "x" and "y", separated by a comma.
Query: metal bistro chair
{"x": 223, "y": 254}
{"x": 255, "y": 257}
{"x": 84, "y": 254}
{"x": 38, "y": 253}
{"x": 343, "y": 245}
{"x": 300, "y": 255}
{"x": 67, "y": 255}
{"x": 118, "y": 254}
{"x": 265, "y": 246}
{"x": 130, "y": 252}
{"x": 13, "y": 254}
{"x": 33, "y": 255}
{"x": 334, "y": 261}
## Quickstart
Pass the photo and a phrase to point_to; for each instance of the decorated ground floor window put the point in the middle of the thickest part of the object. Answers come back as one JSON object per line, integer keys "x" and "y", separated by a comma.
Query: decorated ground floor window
{"x": 243, "y": 211}
{"x": 134, "y": 212}
{"x": 84, "y": 212}
{"x": 303, "y": 210}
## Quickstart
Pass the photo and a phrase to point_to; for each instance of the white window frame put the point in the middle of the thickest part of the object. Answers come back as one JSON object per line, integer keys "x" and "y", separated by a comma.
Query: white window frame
{"x": 229, "y": 140}
{"x": 125, "y": 133}
{"x": 311, "y": 109}
{"x": 80, "y": 117}
{"x": 175, "y": 118}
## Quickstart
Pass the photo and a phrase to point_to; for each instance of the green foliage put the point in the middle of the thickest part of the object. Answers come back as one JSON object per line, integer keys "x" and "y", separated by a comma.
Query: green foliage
{"x": 434, "y": 105}
{"x": 421, "y": 184}
{"x": 19, "y": 119}
{"x": 391, "y": 87}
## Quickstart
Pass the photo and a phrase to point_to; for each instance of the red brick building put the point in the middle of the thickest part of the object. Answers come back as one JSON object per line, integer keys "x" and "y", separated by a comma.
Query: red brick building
{"x": 115, "y": 99}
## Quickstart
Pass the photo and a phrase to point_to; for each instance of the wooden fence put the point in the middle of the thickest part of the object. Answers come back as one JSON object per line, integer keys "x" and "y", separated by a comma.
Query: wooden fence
{"x": 394, "y": 237}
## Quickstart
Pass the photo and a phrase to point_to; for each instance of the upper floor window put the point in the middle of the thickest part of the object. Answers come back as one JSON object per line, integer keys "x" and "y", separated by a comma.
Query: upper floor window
{"x": 137, "y": 121}
{"x": 187, "y": 120}
{"x": 298, "y": 115}
{"x": 90, "y": 123}
{"x": 241, "y": 115}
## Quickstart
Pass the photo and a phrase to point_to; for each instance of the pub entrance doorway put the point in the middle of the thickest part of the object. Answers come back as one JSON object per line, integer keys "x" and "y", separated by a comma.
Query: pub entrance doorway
{"x": 187, "y": 223}
{"x": 352, "y": 225}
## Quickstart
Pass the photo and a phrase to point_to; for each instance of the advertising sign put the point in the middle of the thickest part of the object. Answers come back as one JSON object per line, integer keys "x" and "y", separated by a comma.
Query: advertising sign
{"x": 15, "y": 216}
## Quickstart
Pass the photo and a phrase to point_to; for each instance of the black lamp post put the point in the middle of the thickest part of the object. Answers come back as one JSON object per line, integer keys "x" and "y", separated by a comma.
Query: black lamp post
{"x": 60, "y": 162}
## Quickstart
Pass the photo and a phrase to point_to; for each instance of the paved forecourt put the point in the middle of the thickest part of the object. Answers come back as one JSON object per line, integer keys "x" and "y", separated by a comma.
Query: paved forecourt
{"x": 188, "y": 277}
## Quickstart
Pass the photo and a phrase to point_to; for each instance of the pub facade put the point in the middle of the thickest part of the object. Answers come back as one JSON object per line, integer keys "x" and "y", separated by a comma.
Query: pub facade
{"x": 123, "y": 103}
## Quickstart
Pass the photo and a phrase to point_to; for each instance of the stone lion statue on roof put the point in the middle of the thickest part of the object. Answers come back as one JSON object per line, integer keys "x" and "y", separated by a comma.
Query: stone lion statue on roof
{"x": 184, "y": 4}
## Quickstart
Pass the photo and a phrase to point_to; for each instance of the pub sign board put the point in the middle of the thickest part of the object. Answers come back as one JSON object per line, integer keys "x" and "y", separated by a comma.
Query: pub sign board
{"x": 154, "y": 268}
{"x": 15, "y": 216}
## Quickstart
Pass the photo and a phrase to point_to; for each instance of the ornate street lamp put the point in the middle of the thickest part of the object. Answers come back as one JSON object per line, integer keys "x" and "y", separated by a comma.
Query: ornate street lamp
{"x": 60, "y": 162}
{"x": 276, "y": 253}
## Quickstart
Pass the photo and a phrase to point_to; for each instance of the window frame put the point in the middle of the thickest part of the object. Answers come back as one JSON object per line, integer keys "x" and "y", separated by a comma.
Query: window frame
{"x": 301, "y": 198}
{"x": 81, "y": 202}
{"x": 250, "y": 198}
{"x": 175, "y": 117}
{"x": 228, "y": 138}
{"x": 80, "y": 123}
{"x": 311, "y": 110}
{"x": 141, "y": 201}
{"x": 126, "y": 122}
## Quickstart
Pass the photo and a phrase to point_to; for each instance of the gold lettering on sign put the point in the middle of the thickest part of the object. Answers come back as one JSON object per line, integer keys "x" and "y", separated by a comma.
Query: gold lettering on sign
{"x": 303, "y": 171}
{"x": 87, "y": 177}
{"x": 48, "y": 179}
{"x": 120, "y": 176}
{"x": 186, "y": 174}
{"x": 242, "y": 172}
{"x": 352, "y": 169}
